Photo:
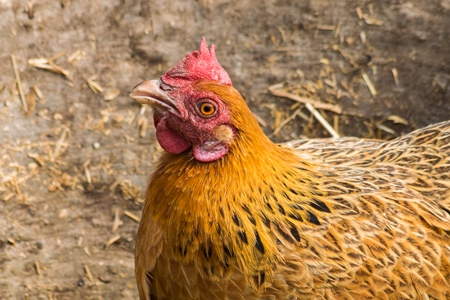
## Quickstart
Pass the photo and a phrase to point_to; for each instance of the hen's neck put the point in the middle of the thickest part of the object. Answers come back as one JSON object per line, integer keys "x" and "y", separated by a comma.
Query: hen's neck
{"x": 218, "y": 214}
{"x": 255, "y": 175}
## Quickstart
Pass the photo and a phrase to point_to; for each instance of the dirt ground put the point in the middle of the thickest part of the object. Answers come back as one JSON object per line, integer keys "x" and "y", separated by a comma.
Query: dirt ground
{"x": 74, "y": 163}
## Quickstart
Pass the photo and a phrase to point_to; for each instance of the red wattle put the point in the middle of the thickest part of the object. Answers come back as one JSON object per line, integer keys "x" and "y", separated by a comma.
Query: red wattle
{"x": 169, "y": 140}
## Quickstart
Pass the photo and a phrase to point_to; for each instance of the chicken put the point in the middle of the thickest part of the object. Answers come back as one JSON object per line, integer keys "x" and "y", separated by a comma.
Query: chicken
{"x": 228, "y": 214}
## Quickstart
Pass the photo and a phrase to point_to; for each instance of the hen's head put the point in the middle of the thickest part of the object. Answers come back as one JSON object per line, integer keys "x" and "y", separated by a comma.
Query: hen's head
{"x": 193, "y": 106}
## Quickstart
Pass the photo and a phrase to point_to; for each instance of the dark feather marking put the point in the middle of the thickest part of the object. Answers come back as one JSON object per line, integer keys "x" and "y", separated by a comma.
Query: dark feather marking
{"x": 243, "y": 236}
{"x": 295, "y": 216}
{"x": 281, "y": 209}
{"x": 319, "y": 205}
{"x": 296, "y": 206}
{"x": 316, "y": 192}
{"x": 250, "y": 216}
{"x": 266, "y": 201}
{"x": 259, "y": 245}
{"x": 207, "y": 251}
{"x": 286, "y": 236}
{"x": 286, "y": 196}
{"x": 148, "y": 280}
{"x": 247, "y": 210}
{"x": 260, "y": 278}
{"x": 227, "y": 251}
{"x": 446, "y": 209}
{"x": 265, "y": 220}
{"x": 236, "y": 220}
{"x": 312, "y": 218}
{"x": 183, "y": 250}
{"x": 293, "y": 192}
{"x": 295, "y": 233}
{"x": 252, "y": 219}
{"x": 314, "y": 250}
{"x": 218, "y": 229}
{"x": 226, "y": 263}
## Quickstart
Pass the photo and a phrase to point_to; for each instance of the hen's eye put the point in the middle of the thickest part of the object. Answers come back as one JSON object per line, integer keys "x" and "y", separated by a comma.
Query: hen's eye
{"x": 206, "y": 109}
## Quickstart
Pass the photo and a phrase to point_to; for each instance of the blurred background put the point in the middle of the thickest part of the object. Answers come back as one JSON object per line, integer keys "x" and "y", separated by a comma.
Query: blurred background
{"x": 76, "y": 151}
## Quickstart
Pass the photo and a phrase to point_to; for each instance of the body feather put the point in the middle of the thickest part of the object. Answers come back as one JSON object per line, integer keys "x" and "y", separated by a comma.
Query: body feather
{"x": 310, "y": 219}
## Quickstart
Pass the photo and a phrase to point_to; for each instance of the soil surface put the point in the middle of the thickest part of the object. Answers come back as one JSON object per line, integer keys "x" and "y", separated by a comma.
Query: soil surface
{"x": 74, "y": 163}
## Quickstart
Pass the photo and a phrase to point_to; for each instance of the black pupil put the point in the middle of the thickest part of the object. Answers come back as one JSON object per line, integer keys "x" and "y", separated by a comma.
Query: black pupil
{"x": 207, "y": 108}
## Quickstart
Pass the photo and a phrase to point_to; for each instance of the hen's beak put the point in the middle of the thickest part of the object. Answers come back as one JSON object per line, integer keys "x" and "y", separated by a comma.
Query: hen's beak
{"x": 149, "y": 92}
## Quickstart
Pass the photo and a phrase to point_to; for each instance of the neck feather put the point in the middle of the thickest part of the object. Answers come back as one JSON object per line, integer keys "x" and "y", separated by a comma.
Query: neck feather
{"x": 219, "y": 214}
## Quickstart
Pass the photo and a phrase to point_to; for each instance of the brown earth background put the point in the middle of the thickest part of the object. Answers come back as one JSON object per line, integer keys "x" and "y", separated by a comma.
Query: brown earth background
{"x": 76, "y": 151}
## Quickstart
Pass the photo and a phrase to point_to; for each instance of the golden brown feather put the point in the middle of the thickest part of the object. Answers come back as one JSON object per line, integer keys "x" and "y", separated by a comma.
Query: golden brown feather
{"x": 312, "y": 219}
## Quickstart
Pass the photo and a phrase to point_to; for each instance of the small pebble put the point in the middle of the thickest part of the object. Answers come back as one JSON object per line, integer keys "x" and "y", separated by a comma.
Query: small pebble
{"x": 96, "y": 145}
{"x": 39, "y": 245}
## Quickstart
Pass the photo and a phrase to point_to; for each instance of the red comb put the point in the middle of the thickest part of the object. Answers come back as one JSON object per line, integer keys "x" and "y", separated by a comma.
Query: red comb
{"x": 197, "y": 65}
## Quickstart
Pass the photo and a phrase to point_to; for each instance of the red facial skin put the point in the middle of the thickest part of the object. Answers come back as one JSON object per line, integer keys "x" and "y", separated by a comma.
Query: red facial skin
{"x": 178, "y": 133}
{"x": 180, "y": 125}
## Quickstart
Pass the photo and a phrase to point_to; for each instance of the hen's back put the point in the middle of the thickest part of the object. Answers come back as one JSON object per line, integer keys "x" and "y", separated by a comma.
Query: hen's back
{"x": 390, "y": 222}
{"x": 423, "y": 154}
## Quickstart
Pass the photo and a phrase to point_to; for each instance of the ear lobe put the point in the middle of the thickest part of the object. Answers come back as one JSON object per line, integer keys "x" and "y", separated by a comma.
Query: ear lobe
{"x": 224, "y": 133}
{"x": 210, "y": 151}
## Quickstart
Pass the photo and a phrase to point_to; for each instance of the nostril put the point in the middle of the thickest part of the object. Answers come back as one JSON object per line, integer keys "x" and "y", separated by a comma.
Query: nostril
{"x": 164, "y": 87}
